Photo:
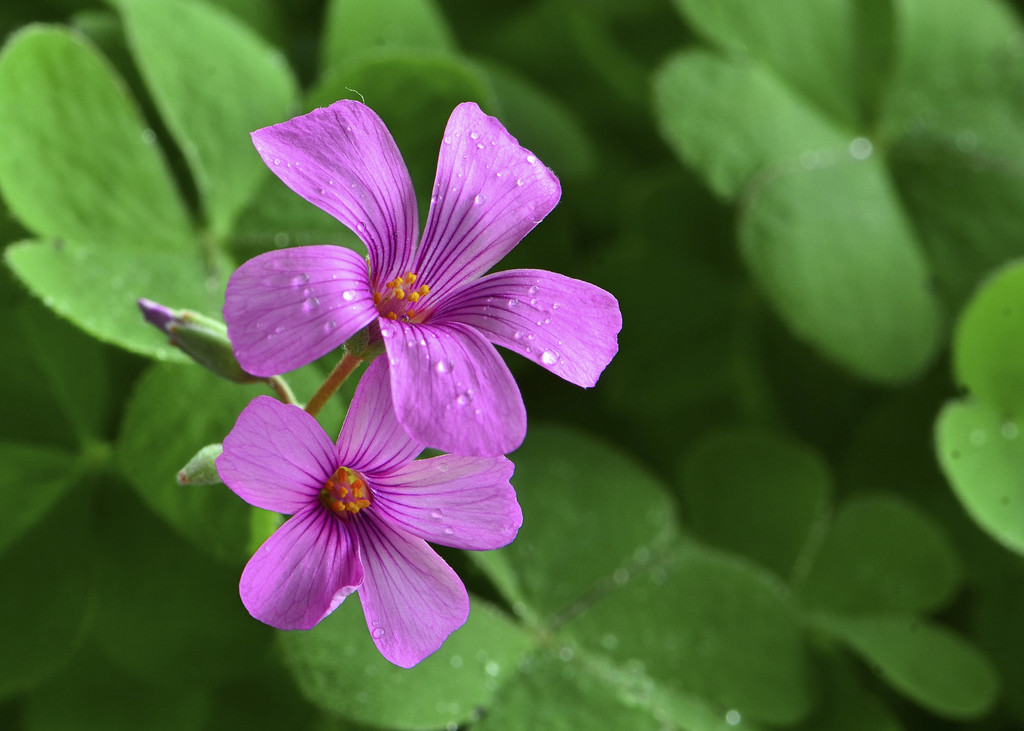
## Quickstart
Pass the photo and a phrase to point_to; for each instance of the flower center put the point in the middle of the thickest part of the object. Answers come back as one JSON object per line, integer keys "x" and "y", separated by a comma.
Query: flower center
{"x": 399, "y": 301}
{"x": 345, "y": 493}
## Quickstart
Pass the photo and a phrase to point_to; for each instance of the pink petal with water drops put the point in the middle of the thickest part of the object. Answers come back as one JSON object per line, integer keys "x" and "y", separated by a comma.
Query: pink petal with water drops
{"x": 371, "y": 439}
{"x": 489, "y": 192}
{"x": 411, "y": 598}
{"x": 463, "y": 502}
{"x": 287, "y": 308}
{"x": 302, "y": 572}
{"x": 343, "y": 160}
{"x": 451, "y": 390}
{"x": 276, "y": 457}
{"x": 566, "y": 325}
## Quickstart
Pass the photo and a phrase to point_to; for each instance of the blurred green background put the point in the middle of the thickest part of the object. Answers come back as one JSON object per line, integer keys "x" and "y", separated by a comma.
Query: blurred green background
{"x": 795, "y": 500}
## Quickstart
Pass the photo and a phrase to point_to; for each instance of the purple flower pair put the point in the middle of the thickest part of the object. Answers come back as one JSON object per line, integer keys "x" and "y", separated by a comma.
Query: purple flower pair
{"x": 362, "y": 509}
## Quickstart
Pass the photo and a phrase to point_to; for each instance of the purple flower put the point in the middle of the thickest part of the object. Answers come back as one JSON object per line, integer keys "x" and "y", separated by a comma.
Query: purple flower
{"x": 361, "y": 513}
{"x": 438, "y": 316}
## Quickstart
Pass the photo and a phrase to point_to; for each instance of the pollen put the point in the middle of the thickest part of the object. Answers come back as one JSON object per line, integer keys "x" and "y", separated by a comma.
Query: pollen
{"x": 345, "y": 493}
{"x": 399, "y": 301}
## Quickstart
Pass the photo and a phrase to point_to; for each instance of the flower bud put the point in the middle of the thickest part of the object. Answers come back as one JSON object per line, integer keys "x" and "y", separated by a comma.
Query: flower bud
{"x": 202, "y": 338}
{"x": 202, "y": 469}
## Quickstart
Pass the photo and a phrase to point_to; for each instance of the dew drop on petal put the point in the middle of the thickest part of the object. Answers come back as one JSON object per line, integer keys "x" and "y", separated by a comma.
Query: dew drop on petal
{"x": 531, "y": 159}
{"x": 479, "y": 200}
{"x": 513, "y": 302}
{"x": 474, "y": 135}
{"x": 549, "y": 357}
{"x": 443, "y": 366}
{"x": 517, "y": 334}
{"x": 377, "y": 633}
{"x": 519, "y": 182}
{"x": 386, "y": 332}
{"x": 449, "y": 530}
{"x": 329, "y": 327}
{"x": 360, "y": 227}
{"x": 311, "y": 304}
{"x": 533, "y": 290}
{"x": 463, "y": 398}
{"x": 277, "y": 161}
{"x": 348, "y": 295}
{"x": 300, "y": 279}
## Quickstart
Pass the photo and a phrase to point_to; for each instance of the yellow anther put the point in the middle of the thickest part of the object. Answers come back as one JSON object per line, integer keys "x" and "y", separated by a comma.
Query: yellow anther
{"x": 392, "y": 316}
{"x": 414, "y": 296}
{"x": 410, "y": 278}
{"x": 376, "y": 298}
{"x": 345, "y": 493}
{"x": 423, "y": 290}
{"x": 400, "y": 294}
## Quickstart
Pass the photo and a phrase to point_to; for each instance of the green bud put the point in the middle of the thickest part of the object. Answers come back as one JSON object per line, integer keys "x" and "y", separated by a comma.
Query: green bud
{"x": 202, "y": 469}
{"x": 202, "y": 338}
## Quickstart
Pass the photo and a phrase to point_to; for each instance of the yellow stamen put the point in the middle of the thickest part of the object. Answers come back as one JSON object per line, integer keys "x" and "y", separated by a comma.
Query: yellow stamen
{"x": 423, "y": 290}
{"x": 400, "y": 294}
{"x": 410, "y": 278}
{"x": 392, "y": 316}
{"x": 414, "y": 296}
{"x": 376, "y": 298}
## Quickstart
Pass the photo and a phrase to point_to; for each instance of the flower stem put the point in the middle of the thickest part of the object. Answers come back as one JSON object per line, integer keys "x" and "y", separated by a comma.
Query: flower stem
{"x": 343, "y": 370}
{"x": 284, "y": 391}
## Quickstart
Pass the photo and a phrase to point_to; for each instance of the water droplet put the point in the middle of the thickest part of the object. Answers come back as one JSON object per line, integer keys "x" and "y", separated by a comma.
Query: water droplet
{"x": 329, "y": 327}
{"x": 479, "y": 200}
{"x": 299, "y": 279}
{"x": 517, "y": 334}
{"x": 513, "y": 302}
{"x": 861, "y": 148}
{"x": 348, "y": 295}
{"x": 386, "y": 332}
{"x": 278, "y": 330}
{"x": 444, "y": 366}
{"x": 360, "y": 227}
{"x": 464, "y": 398}
{"x": 474, "y": 135}
{"x": 436, "y": 514}
{"x": 377, "y": 633}
{"x": 277, "y": 161}
{"x": 447, "y": 139}
{"x": 533, "y": 290}
{"x": 448, "y": 531}
{"x": 479, "y": 145}
{"x": 311, "y": 304}
{"x": 519, "y": 182}
{"x": 531, "y": 159}
{"x": 549, "y": 357}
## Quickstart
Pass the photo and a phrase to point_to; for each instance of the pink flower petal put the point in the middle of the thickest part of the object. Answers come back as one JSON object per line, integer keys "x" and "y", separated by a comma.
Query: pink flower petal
{"x": 371, "y": 439}
{"x": 451, "y": 389}
{"x": 568, "y": 326}
{"x": 488, "y": 194}
{"x": 343, "y": 160}
{"x": 276, "y": 457}
{"x": 287, "y": 308}
{"x": 463, "y": 502}
{"x": 411, "y": 598}
{"x": 302, "y": 572}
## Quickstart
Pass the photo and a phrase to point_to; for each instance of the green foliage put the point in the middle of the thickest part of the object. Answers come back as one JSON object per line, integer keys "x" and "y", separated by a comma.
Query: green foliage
{"x": 776, "y": 510}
